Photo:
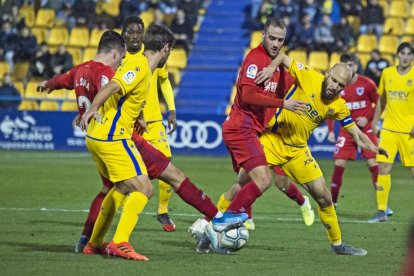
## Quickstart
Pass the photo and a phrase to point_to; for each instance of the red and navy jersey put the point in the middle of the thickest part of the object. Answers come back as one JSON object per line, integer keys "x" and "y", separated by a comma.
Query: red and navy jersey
{"x": 86, "y": 78}
{"x": 361, "y": 98}
{"x": 244, "y": 115}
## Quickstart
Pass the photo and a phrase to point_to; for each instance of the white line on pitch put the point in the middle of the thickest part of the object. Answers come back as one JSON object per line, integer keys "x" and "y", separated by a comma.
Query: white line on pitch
{"x": 267, "y": 218}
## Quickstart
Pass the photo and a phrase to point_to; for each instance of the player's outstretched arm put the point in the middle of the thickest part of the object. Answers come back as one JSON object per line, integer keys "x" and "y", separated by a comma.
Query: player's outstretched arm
{"x": 104, "y": 93}
{"x": 41, "y": 87}
{"x": 364, "y": 142}
{"x": 268, "y": 71}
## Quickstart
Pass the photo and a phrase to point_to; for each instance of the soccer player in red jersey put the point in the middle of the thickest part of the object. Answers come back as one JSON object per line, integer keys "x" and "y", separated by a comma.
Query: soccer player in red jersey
{"x": 248, "y": 117}
{"x": 361, "y": 96}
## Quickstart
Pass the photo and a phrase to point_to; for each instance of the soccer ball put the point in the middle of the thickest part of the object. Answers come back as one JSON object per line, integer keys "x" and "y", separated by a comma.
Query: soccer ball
{"x": 234, "y": 239}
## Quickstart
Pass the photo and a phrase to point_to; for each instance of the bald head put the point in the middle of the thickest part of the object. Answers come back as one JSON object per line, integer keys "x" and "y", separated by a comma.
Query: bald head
{"x": 337, "y": 78}
{"x": 341, "y": 73}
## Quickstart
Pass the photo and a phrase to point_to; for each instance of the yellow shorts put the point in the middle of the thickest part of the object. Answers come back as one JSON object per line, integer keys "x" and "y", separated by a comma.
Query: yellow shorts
{"x": 394, "y": 143}
{"x": 117, "y": 160}
{"x": 298, "y": 163}
{"x": 157, "y": 137}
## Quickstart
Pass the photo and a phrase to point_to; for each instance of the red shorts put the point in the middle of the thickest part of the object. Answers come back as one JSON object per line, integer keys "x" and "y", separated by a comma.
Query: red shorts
{"x": 244, "y": 148}
{"x": 347, "y": 149}
{"x": 155, "y": 161}
{"x": 106, "y": 182}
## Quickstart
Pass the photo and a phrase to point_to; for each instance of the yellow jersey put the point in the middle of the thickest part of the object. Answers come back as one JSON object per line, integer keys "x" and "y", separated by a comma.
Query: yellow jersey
{"x": 295, "y": 128}
{"x": 120, "y": 111}
{"x": 152, "y": 110}
{"x": 399, "y": 92}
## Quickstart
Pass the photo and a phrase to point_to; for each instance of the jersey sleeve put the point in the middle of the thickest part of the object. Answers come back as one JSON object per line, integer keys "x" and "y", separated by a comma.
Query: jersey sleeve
{"x": 103, "y": 76}
{"x": 61, "y": 81}
{"x": 300, "y": 72}
{"x": 163, "y": 73}
{"x": 252, "y": 65}
{"x": 130, "y": 77}
{"x": 343, "y": 115}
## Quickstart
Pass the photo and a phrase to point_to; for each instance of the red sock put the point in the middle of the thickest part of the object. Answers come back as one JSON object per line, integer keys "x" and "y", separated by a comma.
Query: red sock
{"x": 245, "y": 198}
{"x": 93, "y": 214}
{"x": 294, "y": 193}
{"x": 374, "y": 175}
{"x": 249, "y": 211}
{"x": 197, "y": 198}
{"x": 336, "y": 182}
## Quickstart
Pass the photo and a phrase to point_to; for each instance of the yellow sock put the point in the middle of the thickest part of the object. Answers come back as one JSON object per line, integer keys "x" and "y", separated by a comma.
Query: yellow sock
{"x": 383, "y": 191}
{"x": 109, "y": 207}
{"x": 330, "y": 220}
{"x": 223, "y": 203}
{"x": 166, "y": 191}
{"x": 134, "y": 205}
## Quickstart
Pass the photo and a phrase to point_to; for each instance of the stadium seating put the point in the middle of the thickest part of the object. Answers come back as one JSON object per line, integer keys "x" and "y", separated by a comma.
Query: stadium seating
{"x": 394, "y": 25}
{"x": 45, "y": 18}
{"x": 31, "y": 91}
{"x": 364, "y": 58}
{"x": 95, "y": 37}
{"x": 58, "y": 94}
{"x": 388, "y": 44}
{"x": 175, "y": 72}
{"x": 29, "y": 15}
{"x": 109, "y": 7}
{"x": 409, "y": 26}
{"x": 256, "y": 39}
{"x": 58, "y": 36}
{"x": 49, "y": 106}
{"x": 20, "y": 87}
{"x": 177, "y": 59}
{"x": 76, "y": 54}
{"x": 334, "y": 59}
{"x": 28, "y": 105}
{"x": 366, "y": 43}
{"x": 40, "y": 33}
{"x": 20, "y": 70}
{"x": 79, "y": 37}
{"x": 69, "y": 106}
{"x": 4, "y": 68}
{"x": 319, "y": 60}
{"x": 147, "y": 17}
{"x": 299, "y": 55}
{"x": 89, "y": 53}
{"x": 71, "y": 95}
{"x": 399, "y": 9}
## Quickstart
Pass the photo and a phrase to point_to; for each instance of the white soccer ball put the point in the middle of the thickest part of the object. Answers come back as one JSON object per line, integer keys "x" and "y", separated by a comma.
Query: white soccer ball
{"x": 234, "y": 239}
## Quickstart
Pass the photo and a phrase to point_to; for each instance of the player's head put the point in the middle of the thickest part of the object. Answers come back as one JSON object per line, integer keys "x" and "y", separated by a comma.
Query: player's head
{"x": 133, "y": 33}
{"x": 158, "y": 38}
{"x": 405, "y": 54}
{"x": 274, "y": 34}
{"x": 351, "y": 60}
{"x": 336, "y": 79}
{"x": 113, "y": 44}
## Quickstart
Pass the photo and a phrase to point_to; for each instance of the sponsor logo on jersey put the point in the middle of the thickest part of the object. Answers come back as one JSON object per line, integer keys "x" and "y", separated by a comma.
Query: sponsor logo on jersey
{"x": 104, "y": 81}
{"x": 251, "y": 71}
{"x": 360, "y": 91}
{"x": 129, "y": 76}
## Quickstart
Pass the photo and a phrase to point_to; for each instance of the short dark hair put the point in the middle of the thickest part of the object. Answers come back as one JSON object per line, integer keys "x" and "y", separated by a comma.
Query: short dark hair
{"x": 347, "y": 57}
{"x": 111, "y": 40}
{"x": 405, "y": 45}
{"x": 157, "y": 36}
{"x": 133, "y": 19}
{"x": 275, "y": 22}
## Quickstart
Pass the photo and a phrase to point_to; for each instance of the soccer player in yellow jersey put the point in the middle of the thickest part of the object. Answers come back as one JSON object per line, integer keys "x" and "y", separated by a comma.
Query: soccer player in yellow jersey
{"x": 120, "y": 104}
{"x": 396, "y": 88}
{"x": 155, "y": 134}
{"x": 285, "y": 141}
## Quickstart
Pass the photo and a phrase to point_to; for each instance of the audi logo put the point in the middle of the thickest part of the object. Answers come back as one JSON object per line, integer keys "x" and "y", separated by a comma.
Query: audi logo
{"x": 195, "y": 134}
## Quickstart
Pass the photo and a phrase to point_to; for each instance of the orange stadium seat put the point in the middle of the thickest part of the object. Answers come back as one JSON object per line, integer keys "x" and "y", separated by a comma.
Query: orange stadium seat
{"x": 29, "y": 15}
{"x": 399, "y": 9}
{"x": 45, "y": 18}
{"x": 147, "y": 17}
{"x": 364, "y": 58}
{"x": 319, "y": 60}
{"x": 299, "y": 55}
{"x": 334, "y": 59}
{"x": 177, "y": 59}
{"x": 366, "y": 43}
{"x": 388, "y": 44}
{"x": 28, "y": 105}
{"x": 256, "y": 39}
{"x": 95, "y": 36}
{"x": 394, "y": 25}
{"x": 40, "y": 33}
{"x": 111, "y": 7}
{"x": 79, "y": 37}
{"x": 69, "y": 106}
{"x": 58, "y": 36}
{"x": 49, "y": 106}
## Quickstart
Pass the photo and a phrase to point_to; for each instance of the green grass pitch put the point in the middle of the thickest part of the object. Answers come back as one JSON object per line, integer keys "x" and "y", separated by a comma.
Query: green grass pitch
{"x": 45, "y": 195}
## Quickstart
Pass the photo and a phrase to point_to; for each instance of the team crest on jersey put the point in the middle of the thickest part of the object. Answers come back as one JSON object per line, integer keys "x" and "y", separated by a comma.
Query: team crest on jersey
{"x": 330, "y": 112}
{"x": 251, "y": 71}
{"x": 299, "y": 65}
{"x": 129, "y": 77}
{"x": 360, "y": 91}
{"x": 409, "y": 83}
{"x": 104, "y": 81}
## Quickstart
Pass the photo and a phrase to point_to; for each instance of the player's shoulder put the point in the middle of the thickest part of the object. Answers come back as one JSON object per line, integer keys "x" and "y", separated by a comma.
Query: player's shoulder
{"x": 366, "y": 80}
{"x": 389, "y": 70}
